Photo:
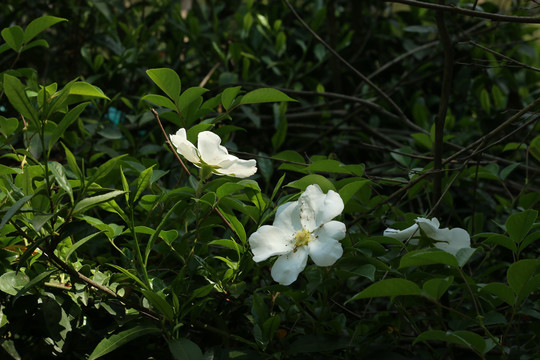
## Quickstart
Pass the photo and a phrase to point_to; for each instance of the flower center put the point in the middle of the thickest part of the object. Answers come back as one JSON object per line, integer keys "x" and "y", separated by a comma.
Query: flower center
{"x": 301, "y": 238}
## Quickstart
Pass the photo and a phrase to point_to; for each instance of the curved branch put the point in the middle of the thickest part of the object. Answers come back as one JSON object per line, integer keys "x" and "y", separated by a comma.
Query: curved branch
{"x": 473, "y": 13}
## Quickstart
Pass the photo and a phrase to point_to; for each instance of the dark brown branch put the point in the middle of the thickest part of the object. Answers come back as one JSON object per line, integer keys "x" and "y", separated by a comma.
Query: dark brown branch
{"x": 381, "y": 93}
{"x": 473, "y": 13}
{"x": 443, "y": 106}
{"x": 169, "y": 142}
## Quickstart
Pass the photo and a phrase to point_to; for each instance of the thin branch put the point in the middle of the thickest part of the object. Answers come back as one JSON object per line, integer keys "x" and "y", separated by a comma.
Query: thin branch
{"x": 446, "y": 88}
{"x": 381, "y": 93}
{"x": 504, "y": 57}
{"x": 473, "y": 13}
{"x": 169, "y": 142}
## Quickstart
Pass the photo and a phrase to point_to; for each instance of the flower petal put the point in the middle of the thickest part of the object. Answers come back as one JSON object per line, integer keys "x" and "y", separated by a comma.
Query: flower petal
{"x": 402, "y": 235}
{"x": 210, "y": 149}
{"x": 429, "y": 227}
{"x": 269, "y": 241}
{"x": 288, "y": 217}
{"x": 237, "y": 167}
{"x": 287, "y": 267}
{"x": 317, "y": 208}
{"x": 184, "y": 147}
{"x": 452, "y": 240}
{"x": 325, "y": 248}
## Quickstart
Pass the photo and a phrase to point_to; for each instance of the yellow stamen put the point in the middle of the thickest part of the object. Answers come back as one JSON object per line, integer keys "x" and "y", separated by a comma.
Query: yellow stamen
{"x": 301, "y": 238}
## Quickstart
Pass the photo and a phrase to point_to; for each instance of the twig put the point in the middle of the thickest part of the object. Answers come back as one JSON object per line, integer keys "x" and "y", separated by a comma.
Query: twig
{"x": 381, "y": 93}
{"x": 473, "y": 13}
{"x": 504, "y": 57}
{"x": 169, "y": 142}
{"x": 443, "y": 105}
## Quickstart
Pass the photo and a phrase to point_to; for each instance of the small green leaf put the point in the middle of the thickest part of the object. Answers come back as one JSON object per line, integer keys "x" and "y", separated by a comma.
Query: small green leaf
{"x": 113, "y": 342}
{"x": 79, "y": 243}
{"x": 498, "y": 98}
{"x": 521, "y": 277}
{"x": 534, "y": 147}
{"x": 228, "y": 95}
{"x": 501, "y": 240}
{"x": 61, "y": 179}
{"x": 307, "y": 180}
{"x": 484, "y": 101}
{"x": 329, "y": 166}
{"x": 428, "y": 257}
{"x": 72, "y": 163}
{"x": 104, "y": 169}
{"x": 5, "y": 170}
{"x": 38, "y": 25}
{"x": 184, "y": 349}
{"x": 34, "y": 281}
{"x": 8, "y": 126}
{"x": 167, "y": 80}
{"x": 462, "y": 337}
{"x": 348, "y": 191}
{"x": 519, "y": 224}
{"x": 88, "y": 202}
{"x": 16, "y": 95}
{"x": 159, "y": 100}
{"x": 11, "y": 282}
{"x": 501, "y": 291}
{"x": 86, "y": 89}
{"x": 66, "y": 121}
{"x": 437, "y": 287}
{"x": 264, "y": 95}
{"x": 159, "y": 303}
{"x": 13, "y": 37}
{"x": 388, "y": 287}
{"x": 14, "y": 208}
{"x": 142, "y": 183}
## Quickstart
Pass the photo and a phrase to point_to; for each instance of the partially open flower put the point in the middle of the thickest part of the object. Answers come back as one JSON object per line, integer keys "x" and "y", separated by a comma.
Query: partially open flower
{"x": 211, "y": 154}
{"x": 449, "y": 240}
{"x": 301, "y": 228}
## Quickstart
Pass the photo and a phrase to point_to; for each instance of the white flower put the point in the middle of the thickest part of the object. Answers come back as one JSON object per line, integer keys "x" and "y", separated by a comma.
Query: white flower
{"x": 212, "y": 154}
{"x": 449, "y": 240}
{"x": 301, "y": 228}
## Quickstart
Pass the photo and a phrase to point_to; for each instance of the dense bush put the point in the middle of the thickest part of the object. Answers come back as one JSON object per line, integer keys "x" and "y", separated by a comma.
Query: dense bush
{"x": 397, "y": 151}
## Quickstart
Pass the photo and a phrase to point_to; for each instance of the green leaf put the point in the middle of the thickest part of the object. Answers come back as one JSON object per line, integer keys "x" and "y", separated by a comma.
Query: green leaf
{"x": 235, "y": 224}
{"x": 462, "y": 337}
{"x": 14, "y": 208}
{"x": 498, "y": 98}
{"x": 521, "y": 277}
{"x": 142, "y": 183}
{"x": 16, "y": 95}
{"x": 79, "y": 243}
{"x": 5, "y": 170}
{"x": 484, "y": 101}
{"x": 329, "y": 166}
{"x": 501, "y": 291}
{"x": 8, "y": 125}
{"x": 72, "y": 163}
{"x": 113, "y": 342}
{"x": 388, "y": 287}
{"x": 264, "y": 95}
{"x": 534, "y": 147}
{"x": 66, "y": 121}
{"x": 38, "y": 25}
{"x": 159, "y": 303}
{"x": 184, "y": 349}
{"x": 85, "y": 89}
{"x": 428, "y": 257}
{"x": 159, "y": 100}
{"x": 437, "y": 287}
{"x": 11, "y": 282}
{"x": 130, "y": 275}
{"x": 104, "y": 169}
{"x": 88, "y": 202}
{"x": 34, "y": 281}
{"x": 518, "y": 225}
{"x": 228, "y": 95}
{"x": 61, "y": 179}
{"x": 501, "y": 240}
{"x": 307, "y": 180}
{"x": 349, "y": 190}
{"x": 13, "y": 37}
{"x": 167, "y": 80}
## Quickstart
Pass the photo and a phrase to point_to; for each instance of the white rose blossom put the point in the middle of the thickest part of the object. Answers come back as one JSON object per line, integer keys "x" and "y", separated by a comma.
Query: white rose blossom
{"x": 301, "y": 228}
{"x": 449, "y": 240}
{"x": 209, "y": 152}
